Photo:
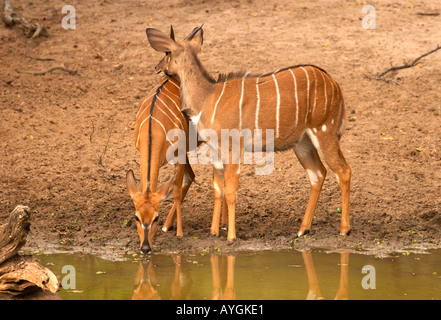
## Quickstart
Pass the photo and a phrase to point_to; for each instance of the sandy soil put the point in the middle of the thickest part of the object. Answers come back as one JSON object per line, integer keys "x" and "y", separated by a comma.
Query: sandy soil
{"x": 392, "y": 140}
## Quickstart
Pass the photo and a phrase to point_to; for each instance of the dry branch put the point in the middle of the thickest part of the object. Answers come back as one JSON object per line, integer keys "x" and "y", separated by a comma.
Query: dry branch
{"x": 381, "y": 75}
{"x": 408, "y": 65}
{"x": 433, "y": 14}
{"x": 103, "y": 154}
{"x": 13, "y": 234}
{"x": 20, "y": 275}
{"x": 40, "y": 59}
{"x": 42, "y": 73}
{"x": 10, "y": 18}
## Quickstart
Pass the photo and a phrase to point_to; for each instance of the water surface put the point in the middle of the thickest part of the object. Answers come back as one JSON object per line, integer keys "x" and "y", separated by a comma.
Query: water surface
{"x": 278, "y": 275}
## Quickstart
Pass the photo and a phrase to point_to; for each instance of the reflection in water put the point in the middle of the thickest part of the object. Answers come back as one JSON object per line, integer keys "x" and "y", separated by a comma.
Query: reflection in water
{"x": 146, "y": 282}
{"x": 314, "y": 292}
{"x": 227, "y": 268}
{"x": 251, "y": 275}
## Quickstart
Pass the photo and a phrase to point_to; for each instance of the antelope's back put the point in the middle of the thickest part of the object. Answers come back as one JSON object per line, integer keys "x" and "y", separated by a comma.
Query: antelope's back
{"x": 167, "y": 113}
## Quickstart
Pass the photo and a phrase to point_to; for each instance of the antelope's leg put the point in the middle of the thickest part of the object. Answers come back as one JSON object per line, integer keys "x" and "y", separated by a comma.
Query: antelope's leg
{"x": 231, "y": 177}
{"x": 171, "y": 216}
{"x": 168, "y": 224}
{"x": 175, "y": 211}
{"x": 310, "y": 160}
{"x": 337, "y": 163}
{"x": 224, "y": 221}
{"x": 187, "y": 181}
{"x": 177, "y": 194}
{"x": 218, "y": 189}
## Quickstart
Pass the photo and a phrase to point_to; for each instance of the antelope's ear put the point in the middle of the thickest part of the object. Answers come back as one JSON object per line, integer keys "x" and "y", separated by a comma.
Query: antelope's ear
{"x": 160, "y": 41}
{"x": 196, "y": 38}
{"x": 131, "y": 183}
{"x": 164, "y": 193}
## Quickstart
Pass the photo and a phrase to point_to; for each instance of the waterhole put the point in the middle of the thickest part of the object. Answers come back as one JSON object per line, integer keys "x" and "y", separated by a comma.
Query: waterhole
{"x": 281, "y": 275}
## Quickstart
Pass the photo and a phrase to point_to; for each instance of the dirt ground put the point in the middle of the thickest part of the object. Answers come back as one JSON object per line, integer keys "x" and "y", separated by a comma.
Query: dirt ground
{"x": 54, "y": 128}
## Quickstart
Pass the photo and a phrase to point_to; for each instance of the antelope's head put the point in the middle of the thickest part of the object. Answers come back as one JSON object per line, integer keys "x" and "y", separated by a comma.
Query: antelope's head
{"x": 176, "y": 53}
{"x": 146, "y": 209}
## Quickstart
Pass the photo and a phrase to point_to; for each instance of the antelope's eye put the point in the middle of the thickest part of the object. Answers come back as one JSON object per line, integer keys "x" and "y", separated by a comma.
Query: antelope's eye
{"x": 137, "y": 219}
{"x": 156, "y": 219}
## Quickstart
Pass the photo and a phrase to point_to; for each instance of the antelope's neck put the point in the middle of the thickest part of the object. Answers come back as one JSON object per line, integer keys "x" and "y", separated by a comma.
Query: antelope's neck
{"x": 196, "y": 87}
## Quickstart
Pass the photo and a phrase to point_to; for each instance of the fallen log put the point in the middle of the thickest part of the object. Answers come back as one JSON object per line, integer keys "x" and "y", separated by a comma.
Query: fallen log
{"x": 13, "y": 234}
{"x": 10, "y": 18}
{"x": 21, "y": 275}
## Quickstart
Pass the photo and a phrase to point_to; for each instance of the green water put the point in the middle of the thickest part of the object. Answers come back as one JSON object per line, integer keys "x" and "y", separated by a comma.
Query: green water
{"x": 250, "y": 275}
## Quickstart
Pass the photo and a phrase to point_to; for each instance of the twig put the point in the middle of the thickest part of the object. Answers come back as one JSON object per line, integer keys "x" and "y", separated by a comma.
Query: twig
{"x": 434, "y": 14}
{"x": 408, "y": 65}
{"x": 381, "y": 75}
{"x": 63, "y": 68}
{"x": 40, "y": 29}
{"x": 40, "y": 59}
{"x": 101, "y": 157}
{"x": 387, "y": 80}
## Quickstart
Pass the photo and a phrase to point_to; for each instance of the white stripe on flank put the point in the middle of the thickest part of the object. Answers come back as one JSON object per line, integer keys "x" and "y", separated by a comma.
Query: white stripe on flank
{"x": 139, "y": 130}
{"x": 307, "y": 94}
{"x": 257, "y": 104}
{"x": 181, "y": 125}
{"x": 315, "y": 92}
{"x": 163, "y": 128}
{"x": 241, "y": 100}
{"x": 172, "y": 92}
{"x": 171, "y": 81}
{"x": 217, "y": 102}
{"x": 140, "y": 127}
{"x": 278, "y": 105}
{"x": 326, "y": 95}
{"x": 141, "y": 107}
{"x": 174, "y": 102}
{"x": 147, "y": 98}
{"x": 174, "y": 123}
{"x": 297, "y": 98}
{"x": 332, "y": 97}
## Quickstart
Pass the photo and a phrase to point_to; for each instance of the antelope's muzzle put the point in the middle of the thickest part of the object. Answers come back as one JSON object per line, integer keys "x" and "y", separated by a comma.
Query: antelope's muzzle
{"x": 145, "y": 247}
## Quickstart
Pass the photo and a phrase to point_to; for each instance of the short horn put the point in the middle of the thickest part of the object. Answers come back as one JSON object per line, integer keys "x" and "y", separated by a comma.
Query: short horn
{"x": 193, "y": 33}
{"x": 172, "y": 33}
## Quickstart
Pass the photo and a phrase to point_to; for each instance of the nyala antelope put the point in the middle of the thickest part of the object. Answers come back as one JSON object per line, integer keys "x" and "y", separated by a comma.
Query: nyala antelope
{"x": 158, "y": 113}
{"x": 302, "y": 104}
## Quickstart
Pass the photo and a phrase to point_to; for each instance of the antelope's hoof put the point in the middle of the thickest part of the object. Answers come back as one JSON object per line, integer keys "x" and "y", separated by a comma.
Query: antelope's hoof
{"x": 345, "y": 233}
{"x": 165, "y": 229}
{"x": 303, "y": 233}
